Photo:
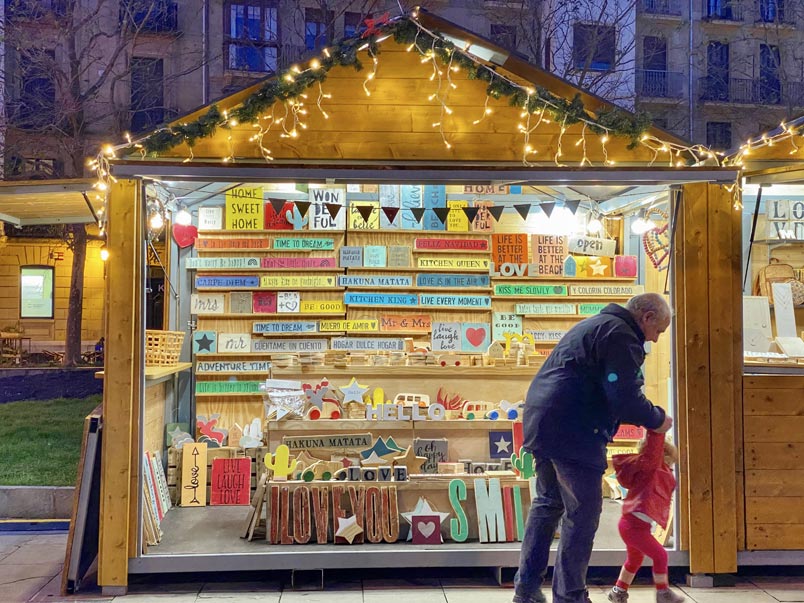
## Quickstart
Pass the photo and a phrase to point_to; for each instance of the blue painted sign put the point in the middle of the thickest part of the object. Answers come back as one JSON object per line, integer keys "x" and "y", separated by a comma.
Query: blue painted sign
{"x": 227, "y": 282}
{"x": 434, "y": 196}
{"x": 374, "y": 281}
{"x": 379, "y": 299}
{"x": 455, "y": 301}
{"x": 452, "y": 280}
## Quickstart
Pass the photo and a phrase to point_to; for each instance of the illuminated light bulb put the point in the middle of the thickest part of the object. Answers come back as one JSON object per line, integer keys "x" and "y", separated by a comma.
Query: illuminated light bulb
{"x": 101, "y": 186}
{"x": 594, "y": 226}
{"x": 104, "y": 253}
{"x": 431, "y": 97}
{"x": 578, "y": 143}
{"x": 409, "y": 48}
{"x": 183, "y": 217}
{"x": 370, "y": 76}
{"x": 436, "y": 124}
{"x": 488, "y": 111}
{"x": 530, "y": 91}
{"x": 363, "y": 47}
{"x": 315, "y": 64}
{"x": 233, "y": 122}
{"x": 644, "y": 137}
{"x": 295, "y": 68}
{"x": 679, "y": 164}
{"x": 156, "y": 221}
{"x": 455, "y": 68}
{"x": 127, "y": 136}
{"x": 289, "y": 78}
{"x": 604, "y": 139}
{"x": 108, "y": 149}
{"x": 326, "y": 52}
{"x": 448, "y": 110}
{"x": 449, "y": 146}
{"x": 294, "y": 133}
{"x": 610, "y": 161}
{"x": 529, "y": 149}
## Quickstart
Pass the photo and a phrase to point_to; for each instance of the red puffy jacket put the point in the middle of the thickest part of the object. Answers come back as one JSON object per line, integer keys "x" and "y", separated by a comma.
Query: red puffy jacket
{"x": 649, "y": 480}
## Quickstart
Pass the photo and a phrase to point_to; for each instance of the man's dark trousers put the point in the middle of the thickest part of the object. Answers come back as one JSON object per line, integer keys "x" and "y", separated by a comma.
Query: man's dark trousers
{"x": 572, "y": 491}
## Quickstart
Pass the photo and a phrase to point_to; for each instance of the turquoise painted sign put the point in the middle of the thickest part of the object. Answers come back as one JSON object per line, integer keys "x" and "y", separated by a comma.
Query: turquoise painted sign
{"x": 455, "y": 301}
{"x": 546, "y": 290}
{"x": 303, "y": 243}
{"x": 452, "y": 280}
{"x": 379, "y": 299}
{"x": 590, "y": 309}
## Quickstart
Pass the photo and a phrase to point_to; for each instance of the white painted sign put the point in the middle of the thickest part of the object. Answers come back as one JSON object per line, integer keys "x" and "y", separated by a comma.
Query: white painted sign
{"x": 592, "y": 246}
{"x": 288, "y": 345}
{"x": 546, "y": 309}
{"x": 606, "y": 290}
{"x": 234, "y": 343}
{"x": 446, "y": 336}
{"x": 783, "y": 310}
{"x": 230, "y": 366}
{"x": 547, "y": 335}
{"x": 284, "y": 327}
{"x": 367, "y": 344}
{"x": 288, "y": 301}
{"x": 231, "y": 262}
{"x": 505, "y": 323}
{"x": 210, "y": 218}
{"x": 204, "y": 304}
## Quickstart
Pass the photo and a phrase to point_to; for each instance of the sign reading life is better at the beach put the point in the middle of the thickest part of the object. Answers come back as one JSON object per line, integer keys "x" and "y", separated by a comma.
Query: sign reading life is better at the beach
{"x": 244, "y": 208}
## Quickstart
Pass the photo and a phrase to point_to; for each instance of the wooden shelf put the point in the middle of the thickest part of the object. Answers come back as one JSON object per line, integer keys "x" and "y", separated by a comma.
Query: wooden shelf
{"x": 454, "y": 251}
{"x": 270, "y": 232}
{"x": 280, "y": 270}
{"x": 272, "y": 316}
{"x": 154, "y": 373}
{"x": 368, "y": 425}
{"x": 557, "y": 316}
{"x": 563, "y": 298}
{"x": 289, "y": 288}
{"x": 552, "y": 280}
{"x": 415, "y": 269}
{"x": 435, "y": 234}
{"x": 427, "y": 289}
{"x": 407, "y": 371}
{"x": 440, "y": 308}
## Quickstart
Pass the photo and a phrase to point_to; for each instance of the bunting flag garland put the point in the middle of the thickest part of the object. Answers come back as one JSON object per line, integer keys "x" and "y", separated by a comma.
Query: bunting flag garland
{"x": 548, "y": 208}
{"x": 277, "y": 204}
{"x": 523, "y": 209}
{"x": 418, "y": 213}
{"x": 572, "y": 205}
{"x": 496, "y": 211}
{"x": 365, "y": 211}
{"x": 303, "y": 206}
{"x": 471, "y": 213}
{"x": 442, "y": 213}
{"x": 390, "y": 213}
{"x": 334, "y": 209}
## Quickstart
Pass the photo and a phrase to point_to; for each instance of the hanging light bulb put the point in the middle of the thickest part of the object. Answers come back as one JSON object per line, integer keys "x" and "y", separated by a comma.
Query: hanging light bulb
{"x": 156, "y": 221}
{"x": 594, "y": 226}
{"x": 183, "y": 217}
{"x": 104, "y": 253}
{"x": 642, "y": 224}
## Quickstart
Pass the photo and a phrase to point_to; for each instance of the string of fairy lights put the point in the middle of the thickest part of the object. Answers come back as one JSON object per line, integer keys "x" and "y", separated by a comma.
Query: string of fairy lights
{"x": 278, "y": 109}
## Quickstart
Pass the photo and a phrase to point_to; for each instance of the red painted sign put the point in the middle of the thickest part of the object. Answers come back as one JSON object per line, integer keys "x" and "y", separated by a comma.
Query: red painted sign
{"x": 263, "y": 302}
{"x": 231, "y": 482}
{"x": 297, "y": 263}
{"x": 233, "y": 244}
{"x": 629, "y": 432}
{"x": 451, "y": 244}
{"x": 278, "y": 221}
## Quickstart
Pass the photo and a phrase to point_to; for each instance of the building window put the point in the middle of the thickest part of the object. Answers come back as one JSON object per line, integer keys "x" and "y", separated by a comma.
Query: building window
{"x": 503, "y": 35}
{"x": 35, "y": 105}
{"x": 718, "y": 135}
{"x": 593, "y": 46}
{"x": 771, "y": 11}
{"x": 36, "y": 292}
{"x": 147, "y": 94}
{"x": 354, "y": 24}
{"x": 317, "y": 28}
{"x": 252, "y": 40}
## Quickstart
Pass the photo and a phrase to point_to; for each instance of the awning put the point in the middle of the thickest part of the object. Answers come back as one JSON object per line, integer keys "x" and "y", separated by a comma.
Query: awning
{"x": 28, "y": 203}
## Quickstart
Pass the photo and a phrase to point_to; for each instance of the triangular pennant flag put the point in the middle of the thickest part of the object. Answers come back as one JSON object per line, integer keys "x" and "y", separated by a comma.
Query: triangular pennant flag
{"x": 390, "y": 213}
{"x": 496, "y": 211}
{"x": 523, "y": 209}
{"x": 548, "y": 208}
{"x": 365, "y": 211}
{"x": 442, "y": 213}
{"x": 303, "y": 206}
{"x": 418, "y": 213}
{"x": 277, "y": 204}
{"x": 471, "y": 213}
{"x": 334, "y": 209}
{"x": 572, "y": 205}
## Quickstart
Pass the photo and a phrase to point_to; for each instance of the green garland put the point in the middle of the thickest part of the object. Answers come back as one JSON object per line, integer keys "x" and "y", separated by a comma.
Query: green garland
{"x": 614, "y": 121}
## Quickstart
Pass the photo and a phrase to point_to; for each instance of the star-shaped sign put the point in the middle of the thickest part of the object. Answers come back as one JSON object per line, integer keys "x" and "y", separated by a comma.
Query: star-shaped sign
{"x": 348, "y": 528}
{"x": 204, "y": 342}
{"x": 411, "y": 461}
{"x": 500, "y": 444}
{"x": 423, "y": 508}
{"x": 503, "y": 445}
{"x": 598, "y": 268}
{"x": 353, "y": 392}
{"x": 318, "y": 397}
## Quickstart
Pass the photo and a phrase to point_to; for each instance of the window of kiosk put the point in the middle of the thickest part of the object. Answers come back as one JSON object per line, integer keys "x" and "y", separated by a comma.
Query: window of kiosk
{"x": 371, "y": 345}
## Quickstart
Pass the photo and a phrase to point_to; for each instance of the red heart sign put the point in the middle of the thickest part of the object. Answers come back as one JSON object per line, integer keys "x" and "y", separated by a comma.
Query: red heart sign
{"x": 184, "y": 235}
{"x": 475, "y": 336}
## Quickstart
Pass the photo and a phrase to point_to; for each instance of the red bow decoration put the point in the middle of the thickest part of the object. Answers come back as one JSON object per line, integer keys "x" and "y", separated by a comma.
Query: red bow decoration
{"x": 373, "y": 25}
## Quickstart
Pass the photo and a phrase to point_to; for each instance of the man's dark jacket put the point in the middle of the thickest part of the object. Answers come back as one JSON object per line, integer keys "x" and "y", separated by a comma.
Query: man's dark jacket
{"x": 590, "y": 383}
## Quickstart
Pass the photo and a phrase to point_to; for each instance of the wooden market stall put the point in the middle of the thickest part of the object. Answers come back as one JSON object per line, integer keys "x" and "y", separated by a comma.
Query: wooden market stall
{"x": 420, "y": 112}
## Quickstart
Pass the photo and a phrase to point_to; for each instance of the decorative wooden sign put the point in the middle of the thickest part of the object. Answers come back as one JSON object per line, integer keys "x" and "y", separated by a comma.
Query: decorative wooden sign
{"x": 479, "y": 264}
{"x": 288, "y": 301}
{"x": 351, "y": 257}
{"x": 234, "y": 343}
{"x": 458, "y": 525}
{"x": 398, "y": 256}
{"x": 505, "y": 323}
{"x": 785, "y": 219}
{"x": 590, "y": 309}
{"x": 233, "y": 244}
{"x": 204, "y": 304}
{"x": 490, "y": 517}
{"x": 593, "y": 266}
{"x": 591, "y": 246}
{"x": 288, "y": 345}
{"x": 431, "y": 244}
{"x": 612, "y": 450}
{"x": 371, "y": 209}
{"x": 367, "y": 325}
{"x": 401, "y": 322}
{"x": 455, "y": 301}
{"x": 231, "y": 481}
{"x": 205, "y": 342}
{"x": 607, "y": 290}
{"x": 434, "y": 450}
{"x": 341, "y": 441}
{"x": 231, "y": 366}
{"x": 320, "y": 218}
{"x": 379, "y": 299}
{"x": 625, "y": 266}
{"x": 263, "y": 302}
{"x": 303, "y": 244}
{"x": 240, "y": 302}
{"x": 284, "y": 327}
{"x": 297, "y": 281}
{"x": 547, "y": 334}
{"x": 375, "y": 256}
{"x": 513, "y": 270}
{"x": 509, "y": 248}
{"x": 475, "y": 337}
{"x": 546, "y": 309}
{"x": 228, "y": 262}
{"x": 783, "y": 311}
{"x": 401, "y": 412}
{"x": 244, "y": 208}
{"x": 457, "y": 220}
{"x": 277, "y": 220}
{"x": 366, "y": 344}
{"x": 452, "y": 281}
{"x": 446, "y": 337}
{"x": 390, "y": 215}
{"x": 425, "y": 529}
{"x": 374, "y": 281}
{"x": 331, "y": 306}
{"x": 227, "y": 387}
{"x": 548, "y": 252}
{"x": 430, "y": 197}
{"x": 629, "y": 432}
{"x": 210, "y": 218}
{"x": 227, "y": 282}
{"x": 536, "y": 290}
{"x": 194, "y": 475}
{"x": 297, "y": 263}
{"x": 484, "y": 221}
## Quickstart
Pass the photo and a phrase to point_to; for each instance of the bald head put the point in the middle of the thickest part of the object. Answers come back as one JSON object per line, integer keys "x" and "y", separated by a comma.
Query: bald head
{"x": 652, "y": 314}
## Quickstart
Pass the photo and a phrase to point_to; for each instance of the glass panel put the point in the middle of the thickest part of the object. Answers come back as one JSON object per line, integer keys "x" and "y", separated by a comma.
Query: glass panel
{"x": 36, "y": 292}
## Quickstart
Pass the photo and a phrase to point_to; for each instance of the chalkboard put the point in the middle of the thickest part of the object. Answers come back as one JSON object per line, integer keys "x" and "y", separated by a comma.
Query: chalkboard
{"x": 82, "y": 540}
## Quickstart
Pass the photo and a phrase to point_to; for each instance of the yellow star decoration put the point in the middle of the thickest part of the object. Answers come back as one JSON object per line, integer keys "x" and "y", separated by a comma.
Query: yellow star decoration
{"x": 411, "y": 461}
{"x": 348, "y": 528}
{"x": 598, "y": 268}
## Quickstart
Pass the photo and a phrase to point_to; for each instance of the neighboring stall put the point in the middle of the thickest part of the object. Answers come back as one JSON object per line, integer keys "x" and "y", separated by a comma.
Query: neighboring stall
{"x": 422, "y": 227}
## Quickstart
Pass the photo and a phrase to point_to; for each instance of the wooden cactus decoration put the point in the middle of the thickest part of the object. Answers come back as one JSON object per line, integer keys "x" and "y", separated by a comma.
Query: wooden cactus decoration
{"x": 282, "y": 465}
{"x": 523, "y": 463}
{"x": 296, "y": 218}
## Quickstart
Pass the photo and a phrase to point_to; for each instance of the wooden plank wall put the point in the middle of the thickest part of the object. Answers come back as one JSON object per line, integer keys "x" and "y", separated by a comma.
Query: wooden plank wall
{"x": 709, "y": 317}
{"x": 774, "y": 462}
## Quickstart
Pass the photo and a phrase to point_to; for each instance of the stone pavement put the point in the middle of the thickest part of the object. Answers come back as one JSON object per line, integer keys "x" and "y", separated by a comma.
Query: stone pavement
{"x": 30, "y": 571}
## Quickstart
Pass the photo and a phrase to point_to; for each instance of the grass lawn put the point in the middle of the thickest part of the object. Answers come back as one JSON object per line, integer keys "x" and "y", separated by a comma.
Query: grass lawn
{"x": 40, "y": 441}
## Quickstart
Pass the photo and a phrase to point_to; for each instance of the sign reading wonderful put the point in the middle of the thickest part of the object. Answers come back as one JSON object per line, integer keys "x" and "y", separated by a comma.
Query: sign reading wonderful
{"x": 244, "y": 208}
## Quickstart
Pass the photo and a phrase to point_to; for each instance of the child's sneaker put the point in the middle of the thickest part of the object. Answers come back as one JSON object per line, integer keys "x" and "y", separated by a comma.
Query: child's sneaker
{"x": 668, "y": 596}
{"x": 618, "y": 596}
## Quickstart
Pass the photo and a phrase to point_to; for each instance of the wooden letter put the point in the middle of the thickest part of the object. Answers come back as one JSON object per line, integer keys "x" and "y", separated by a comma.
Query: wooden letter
{"x": 384, "y": 474}
{"x": 321, "y": 512}
{"x": 302, "y": 522}
{"x": 508, "y": 511}
{"x": 490, "y": 518}
{"x": 520, "y": 518}
{"x": 274, "y": 531}
{"x": 357, "y": 496}
{"x": 458, "y": 526}
{"x": 389, "y": 514}
{"x": 373, "y": 515}
{"x": 337, "y": 511}
{"x": 284, "y": 516}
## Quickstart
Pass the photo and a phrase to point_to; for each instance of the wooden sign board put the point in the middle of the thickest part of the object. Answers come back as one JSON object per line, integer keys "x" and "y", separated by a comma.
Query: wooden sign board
{"x": 457, "y": 220}
{"x": 509, "y": 248}
{"x": 356, "y": 221}
{"x": 232, "y": 263}
{"x": 232, "y": 244}
{"x": 612, "y": 450}
{"x": 446, "y": 337}
{"x": 546, "y": 309}
{"x": 353, "y": 326}
{"x": 783, "y": 310}
{"x": 453, "y": 281}
{"x": 351, "y": 257}
{"x": 360, "y": 441}
{"x": 432, "y": 244}
{"x": 288, "y": 301}
{"x": 430, "y": 197}
{"x": 379, "y": 299}
{"x": 288, "y": 345}
{"x": 398, "y": 256}
{"x": 278, "y": 220}
{"x": 232, "y": 366}
{"x": 234, "y": 343}
{"x": 374, "y": 281}
{"x": 407, "y": 322}
{"x": 228, "y": 387}
{"x": 355, "y": 344}
{"x": 297, "y": 263}
{"x": 244, "y": 208}
{"x": 434, "y": 450}
{"x": 455, "y": 301}
{"x": 607, "y": 290}
{"x": 480, "y": 264}
{"x": 227, "y": 282}
{"x": 210, "y": 218}
{"x": 263, "y": 302}
{"x": 284, "y": 327}
{"x": 204, "y": 304}
{"x": 297, "y": 281}
{"x": 303, "y": 244}
{"x": 756, "y": 314}
{"x": 475, "y": 337}
{"x": 590, "y": 309}
{"x": 547, "y": 334}
{"x": 391, "y": 201}
{"x": 484, "y": 221}
{"x": 548, "y": 253}
{"x": 591, "y": 246}
{"x": 334, "y": 306}
{"x": 629, "y": 432}
{"x": 205, "y": 342}
{"x": 375, "y": 256}
{"x": 490, "y": 516}
{"x": 536, "y": 290}
{"x": 240, "y": 302}
{"x": 194, "y": 475}
{"x": 505, "y": 323}
{"x": 231, "y": 481}
{"x": 320, "y": 218}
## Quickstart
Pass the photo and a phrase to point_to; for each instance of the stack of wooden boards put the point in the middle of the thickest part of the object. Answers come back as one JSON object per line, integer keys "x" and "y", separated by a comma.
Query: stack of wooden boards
{"x": 156, "y": 497}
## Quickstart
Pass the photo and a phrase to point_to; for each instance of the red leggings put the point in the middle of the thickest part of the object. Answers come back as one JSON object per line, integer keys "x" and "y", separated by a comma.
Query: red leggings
{"x": 640, "y": 542}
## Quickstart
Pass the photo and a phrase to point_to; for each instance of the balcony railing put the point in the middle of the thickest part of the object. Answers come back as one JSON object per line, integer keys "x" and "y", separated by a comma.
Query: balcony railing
{"x": 671, "y": 8}
{"x": 656, "y": 83}
{"x": 723, "y": 10}
{"x": 160, "y": 16}
{"x": 775, "y": 11}
{"x": 759, "y": 91}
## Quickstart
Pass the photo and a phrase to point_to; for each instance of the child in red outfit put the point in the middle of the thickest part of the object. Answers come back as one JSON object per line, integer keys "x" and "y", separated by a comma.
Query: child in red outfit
{"x": 650, "y": 483}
